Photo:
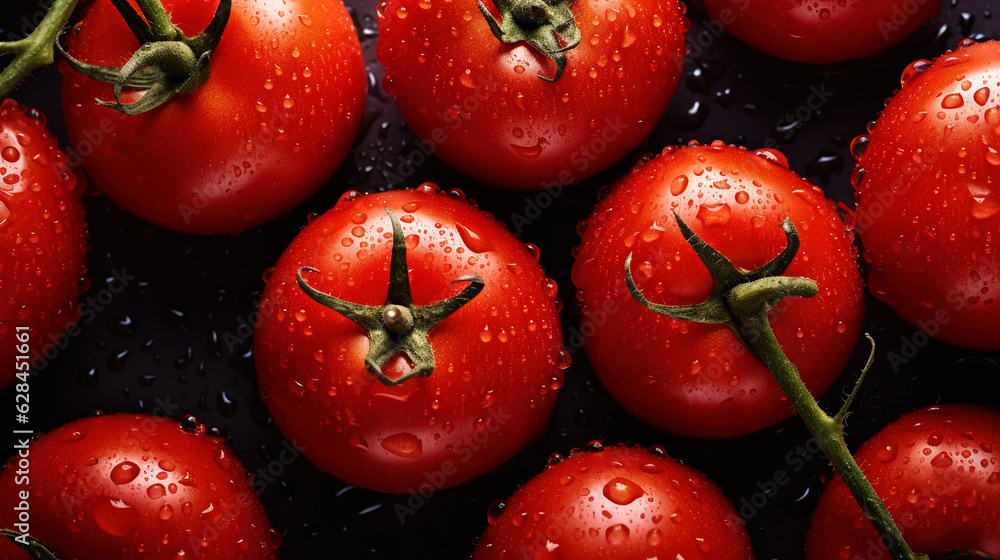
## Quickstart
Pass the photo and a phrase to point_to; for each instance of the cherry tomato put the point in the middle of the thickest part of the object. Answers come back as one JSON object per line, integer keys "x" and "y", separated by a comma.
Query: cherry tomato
{"x": 483, "y": 106}
{"x": 936, "y": 470}
{"x": 43, "y": 240}
{"x": 272, "y": 123}
{"x": 928, "y": 192}
{"x": 387, "y": 408}
{"x": 824, "y": 31}
{"x": 136, "y": 486}
{"x": 698, "y": 379}
{"x": 619, "y": 502}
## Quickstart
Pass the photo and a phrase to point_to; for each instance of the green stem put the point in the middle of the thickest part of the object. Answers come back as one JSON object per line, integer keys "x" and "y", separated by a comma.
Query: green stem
{"x": 829, "y": 432}
{"x": 36, "y": 50}
{"x": 158, "y": 19}
{"x": 742, "y": 300}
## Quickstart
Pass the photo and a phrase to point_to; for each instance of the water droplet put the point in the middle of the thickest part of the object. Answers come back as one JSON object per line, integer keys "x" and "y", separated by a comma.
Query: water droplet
{"x": 124, "y": 472}
{"x": 941, "y": 460}
{"x": 156, "y": 491}
{"x": 617, "y": 534}
{"x": 858, "y": 147}
{"x": 116, "y": 518}
{"x": 305, "y": 20}
{"x": 678, "y": 185}
{"x": 622, "y": 491}
{"x": 742, "y": 197}
{"x": 982, "y": 96}
{"x": 472, "y": 240}
{"x": 952, "y": 101}
{"x": 984, "y": 203}
{"x": 404, "y": 444}
{"x": 888, "y": 453}
{"x": 654, "y": 537}
{"x": 714, "y": 214}
{"x": 11, "y": 154}
{"x": 495, "y": 511}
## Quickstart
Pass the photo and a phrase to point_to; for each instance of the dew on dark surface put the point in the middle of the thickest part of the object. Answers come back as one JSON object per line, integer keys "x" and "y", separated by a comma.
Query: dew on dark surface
{"x": 178, "y": 339}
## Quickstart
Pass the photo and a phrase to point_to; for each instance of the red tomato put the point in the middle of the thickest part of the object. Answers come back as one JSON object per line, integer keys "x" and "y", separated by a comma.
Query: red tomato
{"x": 481, "y": 106}
{"x": 139, "y": 487}
{"x": 936, "y": 470}
{"x": 622, "y": 502}
{"x": 928, "y": 192}
{"x": 697, "y": 379}
{"x": 268, "y": 128}
{"x": 43, "y": 240}
{"x": 821, "y": 31}
{"x": 497, "y": 361}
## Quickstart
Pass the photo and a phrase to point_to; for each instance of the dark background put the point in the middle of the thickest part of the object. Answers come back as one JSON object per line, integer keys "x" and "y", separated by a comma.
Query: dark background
{"x": 160, "y": 341}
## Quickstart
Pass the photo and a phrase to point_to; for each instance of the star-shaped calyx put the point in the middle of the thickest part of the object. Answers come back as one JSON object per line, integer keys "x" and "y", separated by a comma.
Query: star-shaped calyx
{"x": 398, "y": 326}
{"x": 740, "y": 295}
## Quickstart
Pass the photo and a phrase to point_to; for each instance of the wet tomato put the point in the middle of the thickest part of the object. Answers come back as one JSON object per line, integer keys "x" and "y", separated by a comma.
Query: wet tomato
{"x": 451, "y": 359}
{"x": 937, "y": 472}
{"x": 136, "y": 486}
{"x": 272, "y": 123}
{"x": 928, "y": 192}
{"x": 698, "y": 379}
{"x": 481, "y": 104}
{"x": 619, "y": 502}
{"x": 43, "y": 240}
{"x": 821, "y": 31}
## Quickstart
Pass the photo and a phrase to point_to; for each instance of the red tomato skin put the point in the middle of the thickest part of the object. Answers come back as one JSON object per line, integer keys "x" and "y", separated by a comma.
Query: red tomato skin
{"x": 695, "y": 379}
{"x": 493, "y": 119}
{"x": 139, "y": 487}
{"x": 43, "y": 238}
{"x": 821, "y": 32}
{"x": 270, "y": 126}
{"x": 928, "y": 200}
{"x": 498, "y": 359}
{"x": 623, "y": 502}
{"x": 936, "y": 470}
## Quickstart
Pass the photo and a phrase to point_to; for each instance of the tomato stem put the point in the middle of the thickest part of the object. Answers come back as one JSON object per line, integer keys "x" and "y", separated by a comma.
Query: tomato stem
{"x": 398, "y": 326}
{"x": 168, "y": 62}
{"x": 36, "y": 50}
{"x": 32, "y": 546}
{"x": 742, "y": 300}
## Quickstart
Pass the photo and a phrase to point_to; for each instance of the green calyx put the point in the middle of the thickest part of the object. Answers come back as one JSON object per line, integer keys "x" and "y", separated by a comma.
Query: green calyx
{"x": 167, "y": 64}
{"x": 547, "y": 25}
{"x": 398, "y": 326}
{"x": 739, "y": 295}
{"x": 32, "y": 546}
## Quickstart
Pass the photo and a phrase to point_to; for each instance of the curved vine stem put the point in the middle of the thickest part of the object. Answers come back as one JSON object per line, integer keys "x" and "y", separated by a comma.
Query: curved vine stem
{"x": 742, "y": 300}
{"x": 35, "y": 50}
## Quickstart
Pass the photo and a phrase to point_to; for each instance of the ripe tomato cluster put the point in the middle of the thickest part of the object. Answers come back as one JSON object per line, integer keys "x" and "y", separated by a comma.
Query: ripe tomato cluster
{"x": 409, "y": 342}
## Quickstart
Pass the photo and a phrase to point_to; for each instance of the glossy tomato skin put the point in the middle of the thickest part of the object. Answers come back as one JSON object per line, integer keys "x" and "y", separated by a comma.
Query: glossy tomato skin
{"x": 695, "y": 379}
{"x": 498, "y": 359}
{"x": 43, "y": 239}
{"x": 620, "y": 502}
{"x": 824, "y": 31}
{"x": 928, "y": 200}
{"x": 269, "y": 127}
{"x": 140, "y": 487}
{"x": 937, "y": 472}
{"x": 480, "y": 105}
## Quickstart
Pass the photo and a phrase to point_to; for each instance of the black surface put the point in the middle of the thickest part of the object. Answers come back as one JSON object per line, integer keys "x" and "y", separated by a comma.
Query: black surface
{"x": 155, "y": 343}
